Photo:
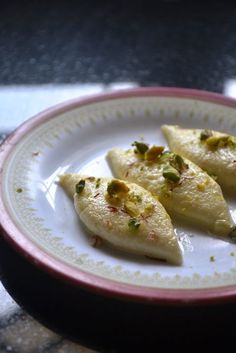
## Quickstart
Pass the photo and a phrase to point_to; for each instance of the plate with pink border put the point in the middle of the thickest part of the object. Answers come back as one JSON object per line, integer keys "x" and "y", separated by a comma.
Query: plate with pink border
{"x": 40, "y": 222}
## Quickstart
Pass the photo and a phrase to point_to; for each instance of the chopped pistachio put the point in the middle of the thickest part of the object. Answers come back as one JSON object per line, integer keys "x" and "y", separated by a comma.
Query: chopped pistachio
{"x": 205, "y": 134}
{"x": 98, "y": 182}
{"x": 232, "y": 253}
{"x": 79, "y": 187}
{"x": 153, "y": 153}
{"x": 171, "y": 174}
{"x": 214, "y": 141}
{"x": 131, "y": 208}
{"x": 165, "y": 156}
{"x": 138, "y": 198}
{"x": 19, "y": 190}
{"x": 141, "y": 147}
{"x": 217, "y": 141}
{"x": 212, "y": 258}
{"x": 133, "y": 224}
{"x": 117, "y": 188}
{"x": 180, "y": 163}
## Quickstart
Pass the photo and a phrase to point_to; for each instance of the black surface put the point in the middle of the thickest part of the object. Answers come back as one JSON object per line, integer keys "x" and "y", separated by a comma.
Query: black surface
{"x": 169, "y": 43}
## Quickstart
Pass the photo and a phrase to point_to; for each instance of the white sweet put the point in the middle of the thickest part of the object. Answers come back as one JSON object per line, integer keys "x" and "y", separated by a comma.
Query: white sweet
{"x": 216, "y": 160}
{"x": 196, "y": 198}
{"x": 133, "y": 221}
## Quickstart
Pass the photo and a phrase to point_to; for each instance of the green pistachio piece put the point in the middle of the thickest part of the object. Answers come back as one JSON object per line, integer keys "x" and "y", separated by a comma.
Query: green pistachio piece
{"x": 217, "y": 141}
{"x": 154, "y": 153}
{"x": 180, "y": 164}
{"x": 98, "y": 182}
{"x": 171, "y": 174}
{"x": 165, "y": 156}
{"x": 117, "y": 188}
{"x": 133, "y": 224}
{"x": 205, "y": 134}
{"x": 141, "y": 147}
{"x": 79, "y": 187}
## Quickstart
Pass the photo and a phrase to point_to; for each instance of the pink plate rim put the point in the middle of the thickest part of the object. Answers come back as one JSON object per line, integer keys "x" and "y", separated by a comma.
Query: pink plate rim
{"x": 79, "y": 278}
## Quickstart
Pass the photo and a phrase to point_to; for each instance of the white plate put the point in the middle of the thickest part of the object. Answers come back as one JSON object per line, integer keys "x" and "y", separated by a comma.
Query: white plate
{"x": 75, "y": 137}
